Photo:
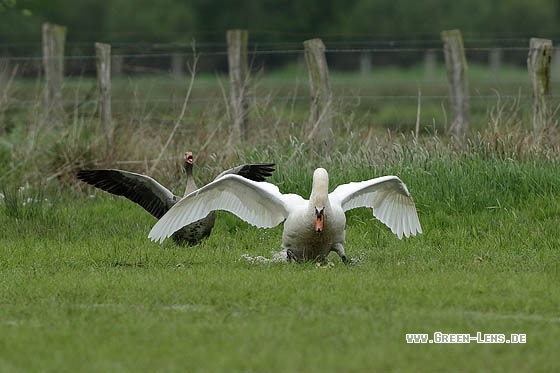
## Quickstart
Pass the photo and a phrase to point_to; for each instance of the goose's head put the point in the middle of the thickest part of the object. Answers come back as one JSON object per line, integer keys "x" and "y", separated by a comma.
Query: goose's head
{"x": 188, "y": 162}
{"x": 320, "y": 196}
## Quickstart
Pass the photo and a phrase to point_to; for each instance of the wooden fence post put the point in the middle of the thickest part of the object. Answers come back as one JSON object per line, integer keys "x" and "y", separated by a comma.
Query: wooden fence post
{"x": 320, "y": 116}
{"x": 556, "y": 63}
{"x": 430, "y": 63}
{"x": 117, "y": 63}
{"x": 538, "y": 64}
{"x": 103, "y": 63}
{"x": 495, "y": 60}
{"x": 237, "y": 41}
{"x": 456, "y": 65}
{"x": 365, "y": 63}
{"x": 177, "y": 63}
{"x": 54, "y": 37}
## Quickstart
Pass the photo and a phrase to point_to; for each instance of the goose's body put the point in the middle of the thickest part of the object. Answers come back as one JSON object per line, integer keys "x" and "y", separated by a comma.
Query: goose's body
{"x": 157, "y": 200}
{"x": 313, "y": 227}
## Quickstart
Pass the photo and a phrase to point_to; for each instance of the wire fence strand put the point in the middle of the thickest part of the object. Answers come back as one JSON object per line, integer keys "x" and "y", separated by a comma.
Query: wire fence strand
{"x": 265, "y": 52}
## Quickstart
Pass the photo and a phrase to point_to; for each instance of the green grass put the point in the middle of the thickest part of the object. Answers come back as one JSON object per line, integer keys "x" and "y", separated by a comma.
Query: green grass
{"x": 83, "y": 289}
{"x": 386, "y": 97}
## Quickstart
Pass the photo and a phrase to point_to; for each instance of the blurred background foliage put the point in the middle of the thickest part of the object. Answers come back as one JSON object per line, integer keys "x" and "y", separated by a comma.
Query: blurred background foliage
{"x": 276, "y": 21}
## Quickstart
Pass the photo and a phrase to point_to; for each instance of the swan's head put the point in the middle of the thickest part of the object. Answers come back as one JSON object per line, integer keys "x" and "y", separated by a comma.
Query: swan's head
{"x": 320, "y": 196}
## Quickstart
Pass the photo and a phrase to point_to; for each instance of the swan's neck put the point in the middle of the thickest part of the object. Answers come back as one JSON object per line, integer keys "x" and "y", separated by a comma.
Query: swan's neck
{"x": 319, "y": 199}
{"x": 320, "y": 191}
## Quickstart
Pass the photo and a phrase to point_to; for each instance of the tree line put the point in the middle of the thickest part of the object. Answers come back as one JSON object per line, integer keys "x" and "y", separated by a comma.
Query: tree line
{"x": 166, "y": 21}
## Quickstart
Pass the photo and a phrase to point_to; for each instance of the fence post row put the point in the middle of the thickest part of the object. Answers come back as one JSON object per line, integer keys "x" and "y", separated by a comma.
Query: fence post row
{"x": 538, "y": 65}
{"x": 456, "y": 66}
{"x": 103, "y": 64}
{"x": 237, "y": 41}
{"x": 54, "y": 37}
{"x": 320, "y": 116}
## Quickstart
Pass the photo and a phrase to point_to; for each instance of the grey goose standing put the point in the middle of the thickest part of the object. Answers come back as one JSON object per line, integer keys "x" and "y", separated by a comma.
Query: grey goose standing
{"x": 157, "y": 200}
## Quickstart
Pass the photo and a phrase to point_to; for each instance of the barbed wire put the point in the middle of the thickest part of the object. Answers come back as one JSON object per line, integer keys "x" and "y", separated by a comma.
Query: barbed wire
{"x": 187, "y": 39}
{"x": 167, "y": 100}
{"x": 264, "y": 52}
{"x": 272, "y": 49}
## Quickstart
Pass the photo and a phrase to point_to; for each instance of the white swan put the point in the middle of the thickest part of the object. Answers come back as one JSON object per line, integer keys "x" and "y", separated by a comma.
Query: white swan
{"x": 313, "y": 228}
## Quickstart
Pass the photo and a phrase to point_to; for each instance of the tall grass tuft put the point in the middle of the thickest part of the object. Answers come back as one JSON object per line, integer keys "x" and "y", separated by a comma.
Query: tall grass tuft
{"x": 23, "y": 203}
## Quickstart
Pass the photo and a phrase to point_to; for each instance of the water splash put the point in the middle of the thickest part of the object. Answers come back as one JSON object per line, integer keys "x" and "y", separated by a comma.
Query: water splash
{"x": 277, "y": 257}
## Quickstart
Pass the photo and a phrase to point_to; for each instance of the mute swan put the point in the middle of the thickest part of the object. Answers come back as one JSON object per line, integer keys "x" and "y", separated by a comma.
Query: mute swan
{"x": 312, "y": 227}
{"x": 157, "y": 200}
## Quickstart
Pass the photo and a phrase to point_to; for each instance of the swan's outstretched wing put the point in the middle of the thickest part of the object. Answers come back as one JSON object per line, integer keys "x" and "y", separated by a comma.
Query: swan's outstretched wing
{"x": 258, "y": 203}
{"x": 142, "y": 189}
{"x": 251, "y": 171}
{"x": 388, "y": 197}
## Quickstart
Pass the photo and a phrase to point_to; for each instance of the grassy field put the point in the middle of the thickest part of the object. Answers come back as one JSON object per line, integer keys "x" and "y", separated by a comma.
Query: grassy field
{"x": 83, "y": 289}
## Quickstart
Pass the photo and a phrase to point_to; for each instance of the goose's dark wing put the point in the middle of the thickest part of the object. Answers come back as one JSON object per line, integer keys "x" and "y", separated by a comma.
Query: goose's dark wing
{"x": 142, "y": 189}
{"x": 255, "y": 171}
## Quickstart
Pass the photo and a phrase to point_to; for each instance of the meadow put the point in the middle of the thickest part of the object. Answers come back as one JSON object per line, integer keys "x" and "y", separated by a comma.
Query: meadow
{"x": 83, "y": 288}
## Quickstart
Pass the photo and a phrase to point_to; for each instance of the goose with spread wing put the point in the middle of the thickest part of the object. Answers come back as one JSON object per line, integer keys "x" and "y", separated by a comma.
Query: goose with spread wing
{"x": 312, "y": 228}
{"x": 157, "y": 200}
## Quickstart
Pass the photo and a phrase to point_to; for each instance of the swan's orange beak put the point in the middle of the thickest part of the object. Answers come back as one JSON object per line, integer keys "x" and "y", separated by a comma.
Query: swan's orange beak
{"x": 319, "y": 220}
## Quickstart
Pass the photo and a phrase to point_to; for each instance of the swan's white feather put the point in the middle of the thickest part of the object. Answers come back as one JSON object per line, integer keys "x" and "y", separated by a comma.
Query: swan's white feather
{"x": 258, "y": 203}
{"x": 388, "y": 197}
